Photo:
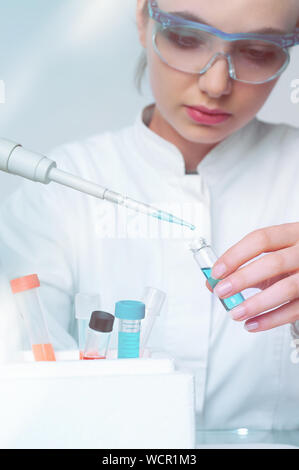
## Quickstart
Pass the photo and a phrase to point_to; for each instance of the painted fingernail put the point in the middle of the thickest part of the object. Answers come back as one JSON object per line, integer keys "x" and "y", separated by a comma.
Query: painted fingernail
{"x": 219, "y": 270}
{"x": 238, "y": 312}
{"x": 251, "y": 326}
{"x": 223, "y": 288}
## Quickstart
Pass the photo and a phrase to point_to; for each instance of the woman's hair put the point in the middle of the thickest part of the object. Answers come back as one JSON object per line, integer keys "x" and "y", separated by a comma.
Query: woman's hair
{"x": 142, "y": 61}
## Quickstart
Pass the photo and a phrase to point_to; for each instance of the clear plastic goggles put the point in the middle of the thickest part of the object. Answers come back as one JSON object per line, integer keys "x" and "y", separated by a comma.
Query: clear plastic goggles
{"x": 190, "y": 47}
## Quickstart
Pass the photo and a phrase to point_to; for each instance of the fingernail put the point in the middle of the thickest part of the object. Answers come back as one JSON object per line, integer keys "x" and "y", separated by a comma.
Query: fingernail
{"x": 219, "y": 270}
{"x": 238, "y": 312}
{"x": 251, "y": 326}
{"x": 223, "y": 288}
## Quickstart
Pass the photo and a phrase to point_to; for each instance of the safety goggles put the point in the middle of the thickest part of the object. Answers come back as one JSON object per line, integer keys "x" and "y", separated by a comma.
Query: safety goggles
{"x": 192, "y": 47}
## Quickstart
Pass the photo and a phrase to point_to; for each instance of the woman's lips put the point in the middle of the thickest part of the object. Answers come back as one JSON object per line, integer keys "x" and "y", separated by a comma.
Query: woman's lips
{"x": 204, "y": 118}
{"x": 205, "y": 110}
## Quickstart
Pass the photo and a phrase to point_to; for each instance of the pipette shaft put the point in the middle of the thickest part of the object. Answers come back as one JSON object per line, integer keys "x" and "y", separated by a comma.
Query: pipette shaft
{"x": 18, "y": 161}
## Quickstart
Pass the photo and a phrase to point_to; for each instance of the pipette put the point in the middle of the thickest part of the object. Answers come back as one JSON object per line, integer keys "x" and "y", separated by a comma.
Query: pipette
{"x": 16, "y": 160}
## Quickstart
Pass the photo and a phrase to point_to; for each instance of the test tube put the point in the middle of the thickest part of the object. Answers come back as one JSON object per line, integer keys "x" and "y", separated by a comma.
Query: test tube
{"x": 85, "y": 303}
{"x": 153, "y": 299}
{"x": 206, "y": 258}
{"x": 130, "y": 313}
{"x": 98, "y": 335}
{"x": 10, "y": 324}
{"x": 29, "y": 305}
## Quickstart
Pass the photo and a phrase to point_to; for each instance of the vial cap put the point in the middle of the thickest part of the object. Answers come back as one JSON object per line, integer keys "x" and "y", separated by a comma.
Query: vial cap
{"x": 130, "y": 310}
{"x": 24, "y": 283}
{"x": 101, "y": 321}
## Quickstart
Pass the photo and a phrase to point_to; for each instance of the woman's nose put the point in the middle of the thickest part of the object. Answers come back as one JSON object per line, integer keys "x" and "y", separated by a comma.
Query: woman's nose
{"x": 216, "y": 81}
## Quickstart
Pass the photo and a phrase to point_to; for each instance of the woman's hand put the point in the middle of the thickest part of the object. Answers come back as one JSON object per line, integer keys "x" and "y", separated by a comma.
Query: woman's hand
{"x": 276, "y": 274}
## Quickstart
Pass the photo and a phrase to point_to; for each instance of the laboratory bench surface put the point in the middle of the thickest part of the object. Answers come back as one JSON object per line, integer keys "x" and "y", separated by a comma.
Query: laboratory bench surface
{"x": 244, "y": 438}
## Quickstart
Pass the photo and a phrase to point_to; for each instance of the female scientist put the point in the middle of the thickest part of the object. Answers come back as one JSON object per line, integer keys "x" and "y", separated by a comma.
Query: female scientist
{"x": 200, "y": 152}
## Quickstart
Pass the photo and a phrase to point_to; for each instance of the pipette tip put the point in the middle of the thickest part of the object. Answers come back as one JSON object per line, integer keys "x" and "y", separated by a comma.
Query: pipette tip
{"x": 186, "y": 224}
{"x": 174, "y": 220}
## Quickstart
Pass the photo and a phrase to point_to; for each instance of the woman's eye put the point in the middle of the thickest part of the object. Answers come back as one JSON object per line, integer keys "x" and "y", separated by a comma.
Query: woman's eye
{"x": 183, "y": 41}
{"x": 258, "y": 54}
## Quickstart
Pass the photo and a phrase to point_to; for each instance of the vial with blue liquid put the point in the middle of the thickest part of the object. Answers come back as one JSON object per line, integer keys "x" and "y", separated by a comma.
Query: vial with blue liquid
{"x": 129, "y": 313}
{"x": 206, "y": 258}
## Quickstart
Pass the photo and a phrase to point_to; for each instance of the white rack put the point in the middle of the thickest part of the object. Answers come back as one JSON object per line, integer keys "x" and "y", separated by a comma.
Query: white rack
{"x": 117, "y": 403}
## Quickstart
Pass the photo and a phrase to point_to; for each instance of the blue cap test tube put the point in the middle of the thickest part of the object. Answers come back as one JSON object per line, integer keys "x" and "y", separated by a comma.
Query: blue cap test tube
{"x": 130, "y": 313}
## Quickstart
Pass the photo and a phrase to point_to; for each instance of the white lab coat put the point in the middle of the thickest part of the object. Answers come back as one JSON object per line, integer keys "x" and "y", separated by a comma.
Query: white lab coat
{"x": 77, "y": 243}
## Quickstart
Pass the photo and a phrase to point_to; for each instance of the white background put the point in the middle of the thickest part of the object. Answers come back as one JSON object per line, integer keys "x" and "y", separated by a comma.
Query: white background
{"x": 68, "y": 68}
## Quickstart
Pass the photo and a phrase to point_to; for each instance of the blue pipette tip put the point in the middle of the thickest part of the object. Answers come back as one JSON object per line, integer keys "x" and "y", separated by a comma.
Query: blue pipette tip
{"x": 172, "y": 219}
{"x": 186, "y": 224}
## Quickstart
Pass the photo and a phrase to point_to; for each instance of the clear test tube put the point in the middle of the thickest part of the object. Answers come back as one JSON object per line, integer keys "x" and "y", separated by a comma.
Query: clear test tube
{"x": 153, "y": 299}
{"x": 98, "y": 335}
{"x": 206, "y": 258}
{"x": 25, "y": 290}
{"x": 11, "y": 331}
{"x": 130, "y": 313}
{"x": 85, "y": 303}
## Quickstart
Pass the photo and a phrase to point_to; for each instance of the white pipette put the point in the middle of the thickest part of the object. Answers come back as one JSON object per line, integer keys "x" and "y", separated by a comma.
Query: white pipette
{"x": 16, "y": 160}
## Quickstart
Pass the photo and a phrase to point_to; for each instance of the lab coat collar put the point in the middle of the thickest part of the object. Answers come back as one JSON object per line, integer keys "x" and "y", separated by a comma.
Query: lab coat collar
{"x": 231, "y": 152}
{"x": 161, "y": 153}
{"x": 166, "y": 157}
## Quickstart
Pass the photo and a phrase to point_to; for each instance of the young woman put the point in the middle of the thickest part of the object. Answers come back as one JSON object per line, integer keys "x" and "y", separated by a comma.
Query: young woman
{"x": 200, "y": 152}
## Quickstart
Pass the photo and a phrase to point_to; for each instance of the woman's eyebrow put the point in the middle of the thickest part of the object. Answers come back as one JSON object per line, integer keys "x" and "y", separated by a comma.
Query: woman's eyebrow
{"x": 190, "y": 16}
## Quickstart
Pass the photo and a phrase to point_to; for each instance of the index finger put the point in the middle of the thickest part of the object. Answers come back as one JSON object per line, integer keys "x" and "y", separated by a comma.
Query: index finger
{"x": 255, "y": 243}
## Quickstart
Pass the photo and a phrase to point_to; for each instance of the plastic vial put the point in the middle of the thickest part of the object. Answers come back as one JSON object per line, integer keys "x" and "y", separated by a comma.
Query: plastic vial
{"x": 206, "y": 258}
{"x": 25, "y": 290}
{"x": 11, "y": 334}
{"x": 130, "y": 313}
{"x": 153, "y": 300}
{"x": 98, "y": 335}
{"x": 85, "y": 303}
